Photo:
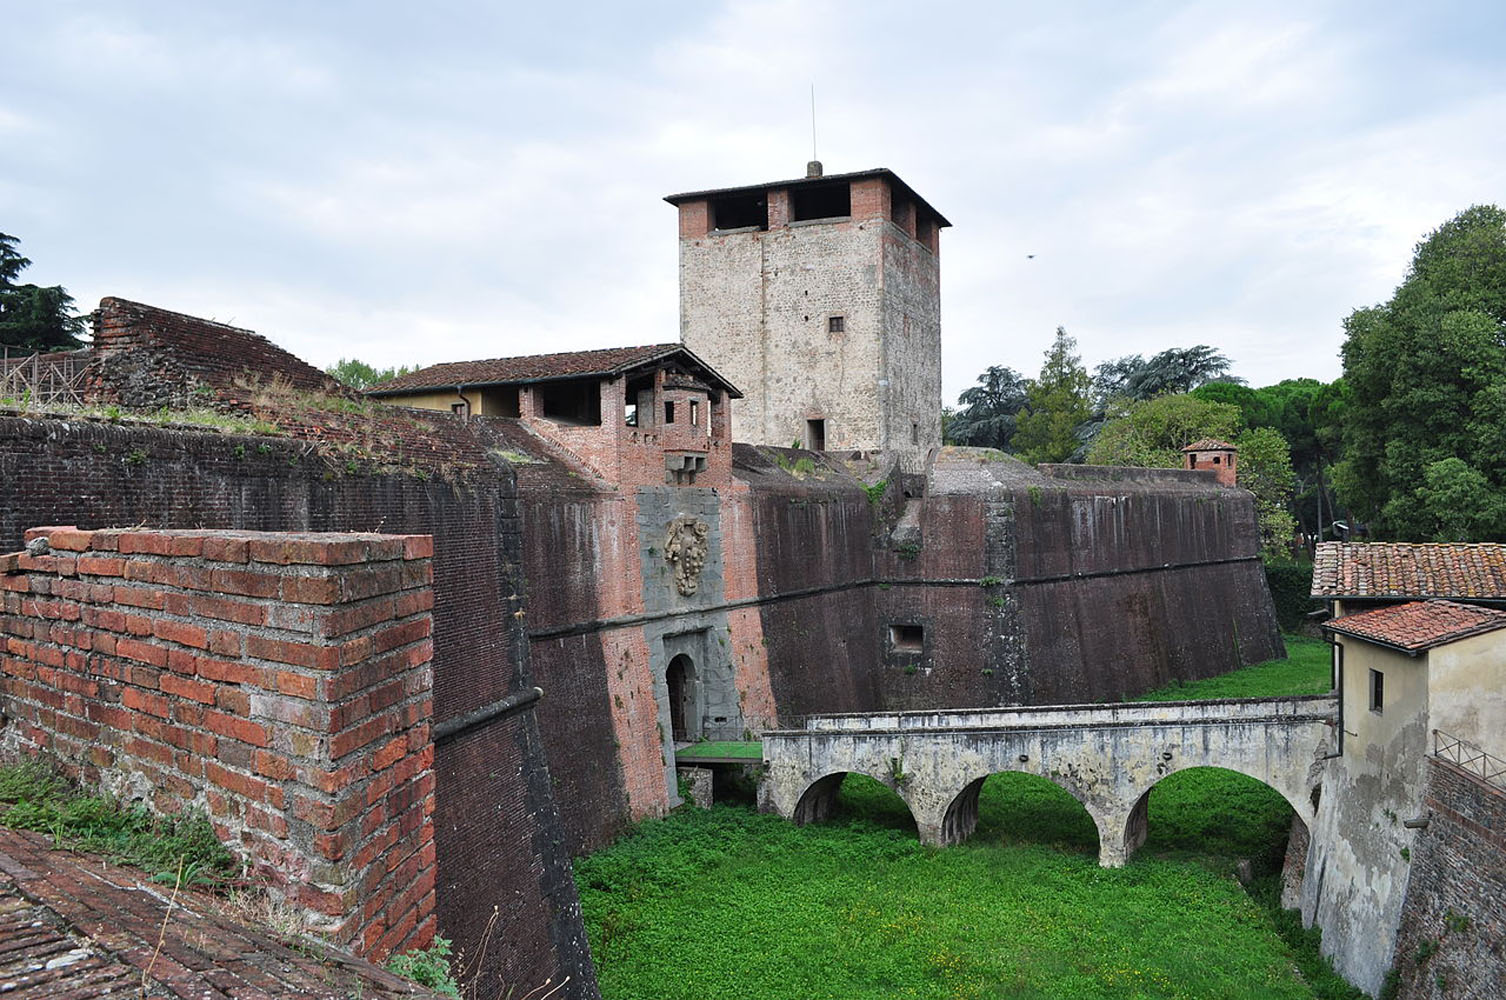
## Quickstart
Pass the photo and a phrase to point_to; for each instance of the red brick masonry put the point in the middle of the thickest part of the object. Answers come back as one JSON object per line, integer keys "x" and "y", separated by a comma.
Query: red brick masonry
{"x": 278, "y": 681}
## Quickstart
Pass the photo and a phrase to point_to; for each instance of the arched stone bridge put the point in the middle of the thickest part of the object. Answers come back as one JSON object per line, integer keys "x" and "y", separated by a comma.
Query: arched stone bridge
{"x": 1107, "y": 756}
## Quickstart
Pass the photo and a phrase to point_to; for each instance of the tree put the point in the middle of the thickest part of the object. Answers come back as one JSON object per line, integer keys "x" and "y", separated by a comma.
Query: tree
{"x": 1153, "y": 432}
{"x": 1265, "y": 469}
{"x": 360, "y": 375}
{"x": 1111, "y": 379}
{"x": 1461, "y": 503}
{"x": 988, "y": 410}
{"x": 1425, "y": 377}
{"x": 1307, "y": 413}
{"x": 1174, "y": 370}
{"x": 33, "y": 317}
{"x": 1055, "y": 404}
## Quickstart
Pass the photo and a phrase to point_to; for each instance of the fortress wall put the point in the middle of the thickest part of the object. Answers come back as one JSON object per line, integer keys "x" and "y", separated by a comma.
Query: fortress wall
{"x": 813, "y": 549}
{"x": 953, "y": 586}
{"x": 1109, "y": 526}
{"x": 1112, "y": 637}
{"x": 97, "y": 474}
{"x": 1123, "y": 587}
{"x": 1452, "y": 937}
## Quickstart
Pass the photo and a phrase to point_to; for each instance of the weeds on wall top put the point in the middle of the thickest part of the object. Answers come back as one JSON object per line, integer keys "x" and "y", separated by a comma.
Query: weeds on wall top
{"x": 37, "y": 797}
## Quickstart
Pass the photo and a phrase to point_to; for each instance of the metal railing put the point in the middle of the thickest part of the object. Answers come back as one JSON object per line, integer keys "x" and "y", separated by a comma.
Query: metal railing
{"x": 44, "y": 379}
{"x": 1470, "y": 757}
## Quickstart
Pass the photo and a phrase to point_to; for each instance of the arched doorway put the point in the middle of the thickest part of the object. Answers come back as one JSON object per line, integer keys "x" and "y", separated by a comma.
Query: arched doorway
{"x": 684, "y": 722}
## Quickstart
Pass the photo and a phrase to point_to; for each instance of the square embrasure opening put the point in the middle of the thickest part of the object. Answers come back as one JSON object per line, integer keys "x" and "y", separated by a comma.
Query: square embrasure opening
{"x": 907, "y": 638}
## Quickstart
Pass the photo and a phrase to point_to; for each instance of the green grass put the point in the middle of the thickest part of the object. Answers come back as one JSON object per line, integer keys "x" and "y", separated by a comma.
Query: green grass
{"x": 729, "y": 903}
{"x": 722, "y": 748}
{"x": 37, "y": 798}
{"x": 1305, "y": 671}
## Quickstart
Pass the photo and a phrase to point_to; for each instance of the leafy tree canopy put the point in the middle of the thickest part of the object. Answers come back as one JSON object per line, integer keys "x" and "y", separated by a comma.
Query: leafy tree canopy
{"x": 360, "y": 375}
{"x": 1153, "y": 432}
{"x": 1265, "y": 469}
{"x": 1174, "y": 370}
{"x": 33, "y": 317}
{"x": 988, "y": 410}
{"x": 1056, "y": 403}
{"x": 1425, "y": 378}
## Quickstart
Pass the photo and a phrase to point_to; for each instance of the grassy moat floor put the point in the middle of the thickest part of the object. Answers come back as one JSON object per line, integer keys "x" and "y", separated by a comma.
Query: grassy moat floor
{"x": 727, "y": 903}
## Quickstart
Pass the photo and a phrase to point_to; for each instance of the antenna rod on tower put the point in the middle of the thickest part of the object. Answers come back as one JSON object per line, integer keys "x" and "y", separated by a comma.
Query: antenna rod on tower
{"x": 813, "y": 168}
{"x": 813, "y": 123}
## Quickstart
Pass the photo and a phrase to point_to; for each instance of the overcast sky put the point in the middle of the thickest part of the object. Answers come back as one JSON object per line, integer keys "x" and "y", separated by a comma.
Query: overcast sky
{"x": 428, "y": 182}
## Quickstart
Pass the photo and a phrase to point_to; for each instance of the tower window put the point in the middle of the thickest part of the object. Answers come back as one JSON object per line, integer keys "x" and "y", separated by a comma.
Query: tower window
{"x": 836, "y": 324}
{"x": 815, "y": 435}
{"x": 669, "y": 413}
{"x": 746, "y": 211}
{"x": 1377, "y": 691}
{"x": 695, "y": 413}
{"x": 821, "y": 201}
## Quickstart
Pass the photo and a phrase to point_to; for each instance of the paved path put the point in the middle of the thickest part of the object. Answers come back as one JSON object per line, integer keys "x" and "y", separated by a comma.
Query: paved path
{"x": 73, "y": 926}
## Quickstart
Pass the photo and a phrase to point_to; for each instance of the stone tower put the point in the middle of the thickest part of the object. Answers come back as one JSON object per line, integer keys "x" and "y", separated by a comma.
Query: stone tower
{"x": 820, "y": 299}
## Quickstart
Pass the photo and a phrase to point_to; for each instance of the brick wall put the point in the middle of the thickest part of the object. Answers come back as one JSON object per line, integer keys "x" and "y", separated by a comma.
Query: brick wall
{"x": 281, "y": 682}
{"x": 1452, "y": 937}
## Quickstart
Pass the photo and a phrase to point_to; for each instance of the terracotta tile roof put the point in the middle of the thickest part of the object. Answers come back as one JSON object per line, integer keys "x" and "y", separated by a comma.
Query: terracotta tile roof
{"x": 1419, "y": 625}
{"x": 600, "y": 363}
{"x": 1475, "y": 570}
{"x": 1210, "y": 444}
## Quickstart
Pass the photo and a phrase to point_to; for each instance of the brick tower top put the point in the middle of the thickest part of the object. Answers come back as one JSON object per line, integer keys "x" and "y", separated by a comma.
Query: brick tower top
{"x": 1219, "y": 456}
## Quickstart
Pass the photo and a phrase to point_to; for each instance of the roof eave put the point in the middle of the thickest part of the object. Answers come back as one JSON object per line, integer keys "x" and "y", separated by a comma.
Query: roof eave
{"x": 941, "y": 220}
{"x": 613, "y": 372}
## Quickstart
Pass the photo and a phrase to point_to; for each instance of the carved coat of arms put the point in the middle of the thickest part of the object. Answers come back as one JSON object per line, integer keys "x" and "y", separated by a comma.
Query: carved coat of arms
{"x": 685, "y": 549}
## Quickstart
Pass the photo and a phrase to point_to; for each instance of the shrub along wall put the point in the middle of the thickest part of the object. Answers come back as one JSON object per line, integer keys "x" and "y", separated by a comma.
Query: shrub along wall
{"x": 1291, "y": 585}
{"x": 280, "y": 681}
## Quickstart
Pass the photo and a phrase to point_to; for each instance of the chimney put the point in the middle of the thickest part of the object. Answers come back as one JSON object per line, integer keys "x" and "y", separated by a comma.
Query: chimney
{"x": 813, "y": 168}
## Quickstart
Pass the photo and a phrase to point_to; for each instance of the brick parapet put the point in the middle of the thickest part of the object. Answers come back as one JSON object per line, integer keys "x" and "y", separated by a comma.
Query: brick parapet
{"x": 280, "y": 682}
{"x": 1452, "y": 935}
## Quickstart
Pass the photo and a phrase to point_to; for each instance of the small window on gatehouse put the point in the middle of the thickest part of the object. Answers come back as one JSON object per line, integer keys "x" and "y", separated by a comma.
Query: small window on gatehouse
{"x": 836, "y": 324}
{"x": 1377, "y": 691}
{"x": 669, "y": 413}
{"x": 461, "y": 409}
{"x": 815, "y": 435}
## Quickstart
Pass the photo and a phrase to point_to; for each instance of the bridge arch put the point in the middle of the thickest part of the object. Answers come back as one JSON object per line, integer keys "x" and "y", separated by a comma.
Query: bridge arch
{"x": 960, "y": 819}
{"x": 1134, "y": 829}
{"x": 819, "y": 800}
